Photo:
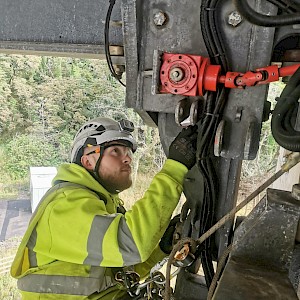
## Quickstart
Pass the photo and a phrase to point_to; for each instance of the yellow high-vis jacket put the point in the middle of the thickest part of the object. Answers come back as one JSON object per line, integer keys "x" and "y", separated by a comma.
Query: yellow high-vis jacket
{"x": 76, "y": 238}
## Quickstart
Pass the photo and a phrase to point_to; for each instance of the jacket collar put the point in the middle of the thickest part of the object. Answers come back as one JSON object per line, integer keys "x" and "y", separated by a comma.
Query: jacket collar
{"x": 77, "y": 174}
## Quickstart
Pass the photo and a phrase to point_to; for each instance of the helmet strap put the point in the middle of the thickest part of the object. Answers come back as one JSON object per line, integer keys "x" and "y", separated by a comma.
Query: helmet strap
{"x": 95, "y": 172}
{"x": 96, "y": 169}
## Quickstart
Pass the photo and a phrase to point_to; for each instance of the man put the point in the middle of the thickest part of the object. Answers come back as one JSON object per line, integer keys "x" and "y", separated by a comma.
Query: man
{"x": 79, "y": 238}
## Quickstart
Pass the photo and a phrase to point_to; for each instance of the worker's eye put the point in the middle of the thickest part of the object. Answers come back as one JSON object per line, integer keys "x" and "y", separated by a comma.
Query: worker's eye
{"x": 113, "y": 149}
{"x": 116, "y": 150}
{"x": 121, "y": 151}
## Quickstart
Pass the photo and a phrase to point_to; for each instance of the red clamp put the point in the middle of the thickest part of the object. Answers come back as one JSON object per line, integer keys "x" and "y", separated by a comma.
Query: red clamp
{"x": 193, "y": 75}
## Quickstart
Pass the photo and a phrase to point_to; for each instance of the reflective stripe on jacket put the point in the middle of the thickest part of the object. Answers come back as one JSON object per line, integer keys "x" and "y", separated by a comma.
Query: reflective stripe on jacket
{"x": 76, "y": 239}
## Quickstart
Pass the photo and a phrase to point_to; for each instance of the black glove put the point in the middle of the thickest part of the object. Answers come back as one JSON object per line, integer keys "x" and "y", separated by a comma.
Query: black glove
{"x": 183, "y": 148}
{"x": 166, "y": 242}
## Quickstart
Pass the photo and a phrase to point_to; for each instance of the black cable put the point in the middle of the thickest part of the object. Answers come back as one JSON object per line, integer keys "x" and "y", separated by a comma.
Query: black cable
{"x": 204, "y": 22}
{"x": 220, "y": 55}
{"x": 285, "y": 114}
{"x": 211, "y": 34}
{"x": 264, "y": 20}
{"x": 283, "y": 6}
{"x": 106, "y": 42}
{"x": 207, "y": 129}
{"x": 295, "y": 4}
{"x": 206, "y": 256}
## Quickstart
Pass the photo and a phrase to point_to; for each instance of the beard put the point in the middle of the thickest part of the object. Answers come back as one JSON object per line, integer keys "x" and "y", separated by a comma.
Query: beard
{"x": 115, "y": 182}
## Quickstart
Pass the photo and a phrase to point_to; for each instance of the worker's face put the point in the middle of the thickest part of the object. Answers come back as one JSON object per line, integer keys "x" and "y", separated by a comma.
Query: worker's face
{"x": 115, "y": 166}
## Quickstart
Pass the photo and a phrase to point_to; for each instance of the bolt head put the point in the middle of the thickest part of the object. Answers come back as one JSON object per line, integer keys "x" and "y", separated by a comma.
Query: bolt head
{"x": 176, "y": 236}
{"x": 234, "y": 18}
{"x": 296, "y": 191}
{"x": 160, "y": 18}
{"x": 176, "y": 74}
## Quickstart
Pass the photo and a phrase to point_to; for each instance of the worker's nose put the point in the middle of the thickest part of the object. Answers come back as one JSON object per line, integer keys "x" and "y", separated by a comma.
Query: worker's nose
{"x": 127, "y": 155}
{"x": 127, "y": 158}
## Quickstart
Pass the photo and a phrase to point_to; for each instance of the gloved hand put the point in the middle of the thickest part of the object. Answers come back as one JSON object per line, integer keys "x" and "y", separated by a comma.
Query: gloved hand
{"x": 183, "y": 148}
{"x": 166, "y": 242}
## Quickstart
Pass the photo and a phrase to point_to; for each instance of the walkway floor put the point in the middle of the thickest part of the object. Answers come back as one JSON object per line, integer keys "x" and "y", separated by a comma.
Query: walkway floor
{"x": 14, "y": 218}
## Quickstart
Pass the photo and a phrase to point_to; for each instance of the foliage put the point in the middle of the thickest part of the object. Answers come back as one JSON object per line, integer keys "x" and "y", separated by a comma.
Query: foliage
{"x": 44, "y": 101}
{"x": 29, "y": 150}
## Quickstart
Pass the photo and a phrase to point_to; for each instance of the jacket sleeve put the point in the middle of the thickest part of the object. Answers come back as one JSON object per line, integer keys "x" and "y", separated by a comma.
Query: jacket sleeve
{"x": 82, "y": 231}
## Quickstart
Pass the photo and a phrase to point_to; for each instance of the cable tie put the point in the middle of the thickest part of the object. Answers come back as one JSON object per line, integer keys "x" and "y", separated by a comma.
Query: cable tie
{"x": 209, "y": 9}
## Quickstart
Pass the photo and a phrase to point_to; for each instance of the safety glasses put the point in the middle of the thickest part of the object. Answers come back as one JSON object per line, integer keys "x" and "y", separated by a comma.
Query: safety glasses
{"x": 115, "y": 150}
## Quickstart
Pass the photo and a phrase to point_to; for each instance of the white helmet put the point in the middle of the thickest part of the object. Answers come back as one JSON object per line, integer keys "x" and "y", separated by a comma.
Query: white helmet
{"x": 102, "y": 130}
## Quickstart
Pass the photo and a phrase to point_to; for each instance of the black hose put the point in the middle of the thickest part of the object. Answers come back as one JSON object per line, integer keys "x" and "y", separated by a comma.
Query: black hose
{"x": 283, "y": 119}
{"x": 106, "y": 42}
{"x": 291, "y": 85}
{"x": 264, "y": 20}
{"x": 284, "y": 6}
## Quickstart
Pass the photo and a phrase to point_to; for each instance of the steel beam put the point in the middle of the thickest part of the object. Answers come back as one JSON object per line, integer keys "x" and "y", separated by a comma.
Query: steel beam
{"x": 51, "y": 27}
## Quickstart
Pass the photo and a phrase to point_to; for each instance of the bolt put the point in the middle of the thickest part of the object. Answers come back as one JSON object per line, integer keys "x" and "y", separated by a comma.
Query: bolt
{"x": 181, "y": 111}
{"x": 160, "y": 18}
{"x": 176, "y": 236}
{"x": 296, "y": 191}
{"x": 176, "y": 74}
{"x": 234, "y": 19}
{"x": 238, "y": 114}
{"x": 119, "y": 69}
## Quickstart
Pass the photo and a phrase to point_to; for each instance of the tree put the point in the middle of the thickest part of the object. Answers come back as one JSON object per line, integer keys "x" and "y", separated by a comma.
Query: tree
{"x": 47, "y": 99}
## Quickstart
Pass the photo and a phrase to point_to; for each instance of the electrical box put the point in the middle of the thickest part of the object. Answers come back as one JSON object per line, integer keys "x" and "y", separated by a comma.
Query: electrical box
{"x": 40, "y": 182}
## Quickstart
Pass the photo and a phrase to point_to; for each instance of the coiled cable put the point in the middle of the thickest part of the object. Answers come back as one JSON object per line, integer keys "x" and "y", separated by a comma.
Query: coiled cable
{"x": 264, "y": 20}
{"x": 285, "y": 115}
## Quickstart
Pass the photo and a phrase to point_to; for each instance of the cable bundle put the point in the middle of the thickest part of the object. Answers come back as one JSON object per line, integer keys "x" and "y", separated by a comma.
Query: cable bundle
{"x": 285, "y": 115}
{"x": 291, "y": 16}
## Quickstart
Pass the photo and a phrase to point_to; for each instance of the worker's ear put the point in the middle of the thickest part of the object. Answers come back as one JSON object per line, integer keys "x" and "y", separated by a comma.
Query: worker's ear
{"x": 87, "y": 162}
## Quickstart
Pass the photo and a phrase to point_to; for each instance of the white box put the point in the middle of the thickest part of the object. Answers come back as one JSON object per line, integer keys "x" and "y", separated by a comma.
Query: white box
{"x": 40, "y": 182}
